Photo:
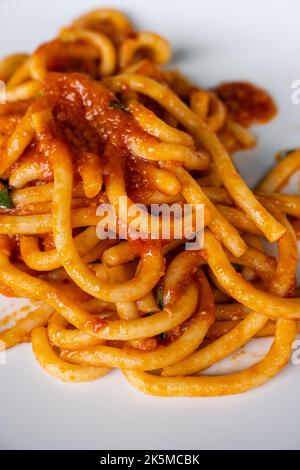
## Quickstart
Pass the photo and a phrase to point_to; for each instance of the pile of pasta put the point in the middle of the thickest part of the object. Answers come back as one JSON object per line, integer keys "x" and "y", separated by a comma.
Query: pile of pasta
{"x": 90, "y": 117}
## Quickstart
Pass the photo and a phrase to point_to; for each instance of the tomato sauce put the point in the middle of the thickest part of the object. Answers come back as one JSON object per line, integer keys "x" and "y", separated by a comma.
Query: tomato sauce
{"x": 88, "y": 120}
{"x": 246, "y": 103}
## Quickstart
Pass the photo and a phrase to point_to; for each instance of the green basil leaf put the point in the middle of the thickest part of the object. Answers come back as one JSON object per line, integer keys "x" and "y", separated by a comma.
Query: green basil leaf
{"x": 5, "y": 199}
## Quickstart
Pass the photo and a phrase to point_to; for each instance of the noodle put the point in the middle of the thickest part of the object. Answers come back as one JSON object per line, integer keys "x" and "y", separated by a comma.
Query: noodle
{"x": 93, "y": 121}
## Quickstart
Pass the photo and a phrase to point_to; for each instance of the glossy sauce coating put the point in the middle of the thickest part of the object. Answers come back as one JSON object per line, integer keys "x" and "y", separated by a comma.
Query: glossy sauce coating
{"x": 89, "y": 121}
{"x": 246, "y": 103}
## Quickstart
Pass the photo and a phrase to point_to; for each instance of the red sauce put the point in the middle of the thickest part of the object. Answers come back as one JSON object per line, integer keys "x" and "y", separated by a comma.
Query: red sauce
{"x": 34, "y": 157}
{"x": 96, "y": 323}
{"x": 87, "y": 121}
{"x": 137, "y": 183}
{"x": 14, "y": 243}
{"x": 246, "y": 103}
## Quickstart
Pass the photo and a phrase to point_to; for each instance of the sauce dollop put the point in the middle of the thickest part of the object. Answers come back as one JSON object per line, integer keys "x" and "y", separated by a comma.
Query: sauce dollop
{"x": 246, "y": 103}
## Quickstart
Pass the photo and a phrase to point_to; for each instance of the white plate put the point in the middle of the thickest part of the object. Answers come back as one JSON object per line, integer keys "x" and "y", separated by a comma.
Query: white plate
{"x": 213, "y": 41}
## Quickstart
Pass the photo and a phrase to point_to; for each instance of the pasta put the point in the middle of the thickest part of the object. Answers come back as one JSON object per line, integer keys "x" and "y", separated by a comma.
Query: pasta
{"x": 92, "y": 120}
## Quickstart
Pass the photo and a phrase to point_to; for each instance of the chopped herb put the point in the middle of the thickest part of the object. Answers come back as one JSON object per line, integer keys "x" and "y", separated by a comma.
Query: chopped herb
{"x": 160, "y": 297}
{"x": 5, "y": 199}
{"x": 118, "y": 105}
